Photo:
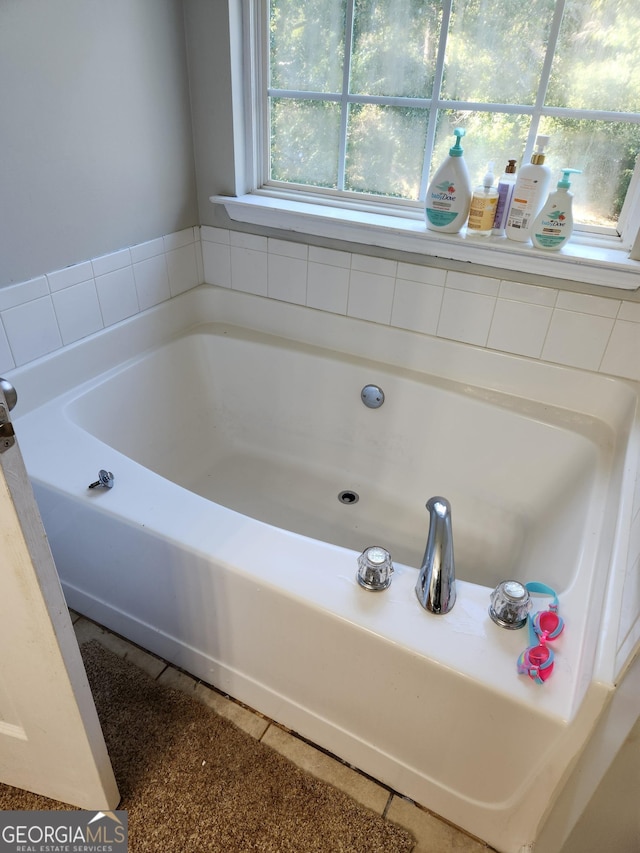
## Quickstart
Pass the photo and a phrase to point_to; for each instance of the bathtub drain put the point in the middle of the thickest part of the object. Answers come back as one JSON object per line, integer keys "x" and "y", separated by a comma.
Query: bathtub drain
{"x": 348, "y": 497}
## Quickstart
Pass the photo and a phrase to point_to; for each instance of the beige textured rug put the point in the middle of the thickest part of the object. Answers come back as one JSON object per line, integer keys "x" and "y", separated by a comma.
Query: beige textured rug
{"x": 192, "y": 781}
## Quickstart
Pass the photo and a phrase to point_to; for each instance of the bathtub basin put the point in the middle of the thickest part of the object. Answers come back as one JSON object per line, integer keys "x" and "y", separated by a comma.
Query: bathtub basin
{"x": 232, "y": 424}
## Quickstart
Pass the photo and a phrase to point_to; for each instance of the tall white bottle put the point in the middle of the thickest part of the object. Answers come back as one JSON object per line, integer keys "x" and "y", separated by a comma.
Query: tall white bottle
{"x": 529, "y": 194}
{"x": 449, "y": 193}
{"x": 553, "y": 226}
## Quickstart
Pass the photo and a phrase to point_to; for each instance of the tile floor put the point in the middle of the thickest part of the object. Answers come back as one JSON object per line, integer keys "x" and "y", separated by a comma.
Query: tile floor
{"x": 432, "y": 834}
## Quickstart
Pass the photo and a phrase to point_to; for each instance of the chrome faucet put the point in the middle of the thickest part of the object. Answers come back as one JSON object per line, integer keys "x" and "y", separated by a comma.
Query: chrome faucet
{"x": 436, "y": 585}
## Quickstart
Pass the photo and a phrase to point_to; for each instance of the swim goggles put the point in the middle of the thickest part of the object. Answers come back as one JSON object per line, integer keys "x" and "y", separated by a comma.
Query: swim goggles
{"x": 536, "y": 661}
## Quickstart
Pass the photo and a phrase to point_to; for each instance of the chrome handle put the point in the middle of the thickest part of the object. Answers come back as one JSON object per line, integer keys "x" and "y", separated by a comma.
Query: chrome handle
{"x": 10, "y": 393}
{"x": 105, "y": 479}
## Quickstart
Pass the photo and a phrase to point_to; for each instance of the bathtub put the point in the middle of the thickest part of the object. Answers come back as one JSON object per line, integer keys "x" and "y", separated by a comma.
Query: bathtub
{"x": 234, "y": 424}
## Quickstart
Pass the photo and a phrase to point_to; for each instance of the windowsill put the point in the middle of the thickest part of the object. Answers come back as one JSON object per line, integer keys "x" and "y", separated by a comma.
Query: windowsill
{"x": 599, "y": 261}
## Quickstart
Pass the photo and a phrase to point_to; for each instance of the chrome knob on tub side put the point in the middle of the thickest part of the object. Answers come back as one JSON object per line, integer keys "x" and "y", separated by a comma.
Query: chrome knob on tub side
{"x": 10, "y": 393}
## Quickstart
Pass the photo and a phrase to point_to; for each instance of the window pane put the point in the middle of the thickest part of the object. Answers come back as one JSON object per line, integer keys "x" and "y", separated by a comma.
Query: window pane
{"x": 605, "y": 152}
{"x": 489, "y": 136}
{"x": 394, "y": 47}
{"x": 304, "y": 142}
{"x": 597, "y": 63}
{"x": 496, "y": 49}
{"x": 385, "y": 150}
{"x": 307, "y": 45}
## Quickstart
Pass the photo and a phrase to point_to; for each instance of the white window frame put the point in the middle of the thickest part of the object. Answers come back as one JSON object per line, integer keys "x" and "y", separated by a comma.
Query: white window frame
{"x": 601, "y": 259}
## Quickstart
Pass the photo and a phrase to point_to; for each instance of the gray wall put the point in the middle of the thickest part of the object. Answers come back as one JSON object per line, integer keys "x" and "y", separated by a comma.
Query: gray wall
{"x": 95, "y": 130}
{"x": 211, "y": 55}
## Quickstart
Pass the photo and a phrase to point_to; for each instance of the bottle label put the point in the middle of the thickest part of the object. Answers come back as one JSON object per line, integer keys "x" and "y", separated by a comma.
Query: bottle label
{"x": 441, "y": 199}
{"x": 505, "y": 194}
{"x": 482, "y": 212}
{"x": 549, "y": 241}
{"x": 522, "y": 204}
{"x": 440, "y": 217}
{"x": 551, "y": 230}
{"x": 443, "y": 193}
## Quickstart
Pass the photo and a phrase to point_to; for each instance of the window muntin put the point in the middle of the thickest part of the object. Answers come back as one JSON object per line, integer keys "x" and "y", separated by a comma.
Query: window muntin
{"x": 367, "y": 119}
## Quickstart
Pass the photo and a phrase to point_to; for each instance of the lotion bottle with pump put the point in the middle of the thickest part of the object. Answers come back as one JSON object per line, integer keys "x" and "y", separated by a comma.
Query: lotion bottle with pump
{"x": 529, "y": 194}
{"x": 449, "y": 193}
{"x": 553, "y": 226}
{"x": 506, "y": 186}
{"x": 484, "y": 201}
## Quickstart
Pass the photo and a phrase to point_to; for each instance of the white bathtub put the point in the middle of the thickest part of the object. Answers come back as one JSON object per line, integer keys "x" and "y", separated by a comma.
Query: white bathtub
{"x": 232, "y": 423}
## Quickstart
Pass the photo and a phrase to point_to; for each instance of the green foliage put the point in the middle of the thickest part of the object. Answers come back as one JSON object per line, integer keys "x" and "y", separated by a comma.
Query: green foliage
{"x": 304, "y": 142}
{"x": 494, "y": 55}
{"x": 394, "y": 47}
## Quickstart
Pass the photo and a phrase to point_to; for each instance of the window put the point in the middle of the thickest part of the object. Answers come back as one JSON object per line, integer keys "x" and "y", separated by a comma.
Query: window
{"x": 341, "y": 110}
{"x": 361, "y": 96}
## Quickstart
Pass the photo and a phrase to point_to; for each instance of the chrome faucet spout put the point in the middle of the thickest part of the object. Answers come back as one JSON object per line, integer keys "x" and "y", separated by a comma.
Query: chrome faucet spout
{"x": 436, "y": 584}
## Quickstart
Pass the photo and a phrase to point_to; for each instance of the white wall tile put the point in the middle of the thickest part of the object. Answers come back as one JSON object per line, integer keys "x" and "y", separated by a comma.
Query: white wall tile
{"x": 288, "y": 248}
{"x": 32, "y": 329}
{"x": 370, "y": 296}
{"x": 152, "y": 281}
{"x": 636, "y": 498}
{"x": 465, "y": 316}
{"x": 78, "y": 311}
{"x": 532, "y": 293}
{"x": 178, "y": 239}
{"x": 634, "y": 542}
{"x": 249, "y": 270}
{"x": 199, "y": 261}
{"x": 287, "y": 279}
{"x": 473, "y": 283}
{"x": 416, "y": 306}
{"x": 109, "y": 263}
{"x": 519, "y": 327}
{"x": 214, "y": 235}
{"x": 24, "y": 291}
{"x": 117, "y": 295}
{"x": 630, "y": 311}
{"x": 143, "y": 251}
{"x": 427, "y": 275}
{"x": 622, "y": 355}
{"x": 331, "y": 257}
{"x": 327, "y": 287}
{"x": 576, "y": 339}
{"x": 630, "y": 601}
{"x": 248, "y": 241}
{"x": 6, "y": 356}
{"x": 376, "y": 266}
{"x": 598, "y": 305}
{"x": 182, "y": 268}
{"x": 216, "y": 258}
{"x": 70, "y": 276}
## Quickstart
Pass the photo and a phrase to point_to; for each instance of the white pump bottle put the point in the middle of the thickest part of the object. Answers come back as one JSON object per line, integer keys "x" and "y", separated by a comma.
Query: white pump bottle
{"x": 449, "y": 193}
{"x": 529, "y": 194}
{"x": 553, "y": 226}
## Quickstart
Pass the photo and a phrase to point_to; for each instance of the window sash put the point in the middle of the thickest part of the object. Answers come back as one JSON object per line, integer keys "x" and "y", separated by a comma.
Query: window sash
{"x": 263, "y": 93}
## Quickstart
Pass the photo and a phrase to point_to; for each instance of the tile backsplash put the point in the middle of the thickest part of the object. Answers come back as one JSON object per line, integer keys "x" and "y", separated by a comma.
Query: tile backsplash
{"x": 61, "y": 307}
{"x": 580, "y": 330}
